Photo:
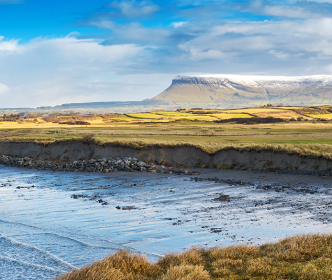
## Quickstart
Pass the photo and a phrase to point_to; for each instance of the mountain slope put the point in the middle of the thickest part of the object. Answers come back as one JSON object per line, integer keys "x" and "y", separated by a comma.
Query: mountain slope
{"x": 236, "y": 90}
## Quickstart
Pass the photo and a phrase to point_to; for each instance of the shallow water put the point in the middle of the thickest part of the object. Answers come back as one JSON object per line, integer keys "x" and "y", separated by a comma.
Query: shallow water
{"x": 51, "y": 222}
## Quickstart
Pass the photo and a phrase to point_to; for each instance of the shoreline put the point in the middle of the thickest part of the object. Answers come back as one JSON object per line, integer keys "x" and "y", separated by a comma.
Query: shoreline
{"x": 262, "y": 207}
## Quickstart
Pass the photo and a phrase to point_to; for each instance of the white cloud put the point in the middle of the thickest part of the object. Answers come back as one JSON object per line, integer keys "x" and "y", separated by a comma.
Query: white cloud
{"x": 290, "y": 12}
{"x": 178, "y": 24}
{"x": 196, "y": 54}
{"x": 3, "y": 89}
{"x": 318, "y": 1}
{"x": 196, "y": 2}
{"x": 284, "y": 9}
{"x": 134, "y": 32}
{"x": 103, "y": 24}
{"x": 313, "y": 36}
{"x": 133, "y": 8}
{"x": 279, "y": 55}
{"x": 50, "y": 71}
{"x": 9, "y": 46}
{"x": 329, "y": 69}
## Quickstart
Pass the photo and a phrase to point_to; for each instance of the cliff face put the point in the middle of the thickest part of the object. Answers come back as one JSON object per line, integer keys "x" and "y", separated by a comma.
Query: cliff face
{"x": 185, "y": 155}
{"x": 234, "y": 90}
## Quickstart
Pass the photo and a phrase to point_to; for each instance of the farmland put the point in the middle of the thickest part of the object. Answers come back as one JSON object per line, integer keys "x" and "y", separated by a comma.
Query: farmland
{"x": 211, "y": 129}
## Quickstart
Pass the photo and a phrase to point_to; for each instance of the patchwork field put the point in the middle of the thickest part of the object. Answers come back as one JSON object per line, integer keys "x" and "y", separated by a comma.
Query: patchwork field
{"x": 210, "y": 129}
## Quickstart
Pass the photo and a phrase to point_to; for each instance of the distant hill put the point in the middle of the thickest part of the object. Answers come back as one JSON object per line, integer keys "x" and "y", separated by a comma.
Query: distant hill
{"x": 116, "y": 106}
{"x": 230, "y": 91}
{"x": 217, "y": 91}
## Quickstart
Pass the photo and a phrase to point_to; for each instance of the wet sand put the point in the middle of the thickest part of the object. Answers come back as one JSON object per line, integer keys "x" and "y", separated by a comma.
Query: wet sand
{"x": 54, "y": 221}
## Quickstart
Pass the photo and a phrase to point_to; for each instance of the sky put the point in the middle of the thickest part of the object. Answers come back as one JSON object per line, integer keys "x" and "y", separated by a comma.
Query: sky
{"x": 55, "y": 51}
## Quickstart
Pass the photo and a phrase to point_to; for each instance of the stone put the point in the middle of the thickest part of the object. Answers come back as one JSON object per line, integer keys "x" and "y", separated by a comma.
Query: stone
{"x": 223, "y": 197}
{"x": 93, "y": 165}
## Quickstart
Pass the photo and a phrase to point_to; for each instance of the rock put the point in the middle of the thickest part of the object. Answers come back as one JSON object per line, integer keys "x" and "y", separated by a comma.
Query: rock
{"x": 128, "y": 207}
{"x": 127, "y": 164}
{"x": 223, "y": 197}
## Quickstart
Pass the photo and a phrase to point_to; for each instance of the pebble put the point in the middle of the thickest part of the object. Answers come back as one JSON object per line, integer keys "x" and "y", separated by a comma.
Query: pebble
{"x": 105, "y": 165}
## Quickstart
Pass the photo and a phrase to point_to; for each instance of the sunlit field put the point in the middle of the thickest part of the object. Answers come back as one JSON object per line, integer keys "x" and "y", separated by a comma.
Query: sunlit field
{"x": 209, "y": 129}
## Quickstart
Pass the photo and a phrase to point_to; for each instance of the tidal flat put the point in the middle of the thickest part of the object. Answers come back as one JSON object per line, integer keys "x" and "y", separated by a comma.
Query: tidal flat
{"x": 52, "y": 222}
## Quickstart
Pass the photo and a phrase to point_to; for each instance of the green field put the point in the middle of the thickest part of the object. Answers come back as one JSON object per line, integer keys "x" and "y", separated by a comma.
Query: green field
{"x": 209, "y": 129}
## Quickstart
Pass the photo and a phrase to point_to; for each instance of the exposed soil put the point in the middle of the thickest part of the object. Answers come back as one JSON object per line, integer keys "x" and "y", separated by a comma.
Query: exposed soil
{"x": 182, "y": 155}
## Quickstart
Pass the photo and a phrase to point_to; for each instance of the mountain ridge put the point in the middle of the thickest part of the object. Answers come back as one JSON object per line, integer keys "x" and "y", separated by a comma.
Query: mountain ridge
{"x": 234, "y": 90}
{"x": 218, "y": 91}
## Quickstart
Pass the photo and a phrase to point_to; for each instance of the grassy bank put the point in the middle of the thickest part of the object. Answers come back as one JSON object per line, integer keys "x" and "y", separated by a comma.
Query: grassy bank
{"x": 305, "y": 150}
{"x": 307, "y": 257}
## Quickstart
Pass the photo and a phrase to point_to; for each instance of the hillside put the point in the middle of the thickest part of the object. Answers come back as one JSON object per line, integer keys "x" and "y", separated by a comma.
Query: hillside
{"x": 230, "y": 91}
{"x": 215, "y": 91}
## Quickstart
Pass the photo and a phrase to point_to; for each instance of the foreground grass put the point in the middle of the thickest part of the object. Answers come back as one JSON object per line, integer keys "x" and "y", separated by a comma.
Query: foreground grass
{"x": 307, "y": 257}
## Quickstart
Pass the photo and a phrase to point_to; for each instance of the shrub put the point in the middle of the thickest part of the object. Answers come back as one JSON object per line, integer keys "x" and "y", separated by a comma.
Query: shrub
{"x": 224, "y": 166}
{"x": 254, "y": 120}
{"x": 267, "y": 163}
{"x": 88, "y": 138}
{"x": 299, "y": 257}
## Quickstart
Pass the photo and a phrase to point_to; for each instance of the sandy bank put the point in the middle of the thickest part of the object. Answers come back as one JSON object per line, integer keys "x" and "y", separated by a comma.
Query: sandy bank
{"x": 183, "y": 155}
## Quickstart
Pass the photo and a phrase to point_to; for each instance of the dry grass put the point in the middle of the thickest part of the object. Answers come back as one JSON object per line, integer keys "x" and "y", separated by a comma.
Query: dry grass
{"x": 168, "y": 117}
{"x": 314, "y": 150}
{"x": 303, "y": 138}
{"x": 307, "y": 257}
{"x": 323, "y": 151}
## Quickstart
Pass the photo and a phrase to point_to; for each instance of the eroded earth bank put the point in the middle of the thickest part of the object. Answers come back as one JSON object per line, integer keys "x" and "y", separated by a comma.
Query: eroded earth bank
{"x": 188, "y": 156}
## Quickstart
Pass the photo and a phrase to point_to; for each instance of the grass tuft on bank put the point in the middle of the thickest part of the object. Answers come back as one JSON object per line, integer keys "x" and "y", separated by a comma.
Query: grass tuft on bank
{"x": 314, "y": 150}
{"x": 311, "y": 150}
{"x": 323, "y": 151}
{"x": 307, "y": 257}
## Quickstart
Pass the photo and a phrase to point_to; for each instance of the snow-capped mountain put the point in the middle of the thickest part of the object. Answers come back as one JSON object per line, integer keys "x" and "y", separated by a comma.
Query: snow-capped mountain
{"x": 235, "y": 90}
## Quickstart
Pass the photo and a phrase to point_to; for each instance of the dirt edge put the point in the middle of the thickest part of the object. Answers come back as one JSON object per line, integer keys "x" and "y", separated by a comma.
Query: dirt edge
{"x": 173, "y": 155}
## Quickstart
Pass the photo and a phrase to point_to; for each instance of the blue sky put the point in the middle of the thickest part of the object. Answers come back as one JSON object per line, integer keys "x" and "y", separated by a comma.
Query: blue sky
{"x": 54, "y": 52}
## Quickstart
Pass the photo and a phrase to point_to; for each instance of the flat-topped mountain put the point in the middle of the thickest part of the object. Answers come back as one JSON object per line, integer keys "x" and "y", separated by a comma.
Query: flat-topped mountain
{"x": 235, "y": 90}
{"x": 218, "y": 91}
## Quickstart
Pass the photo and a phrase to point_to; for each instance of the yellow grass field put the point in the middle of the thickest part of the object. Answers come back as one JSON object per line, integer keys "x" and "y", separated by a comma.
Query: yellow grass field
{"x": 209, "y": 129}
